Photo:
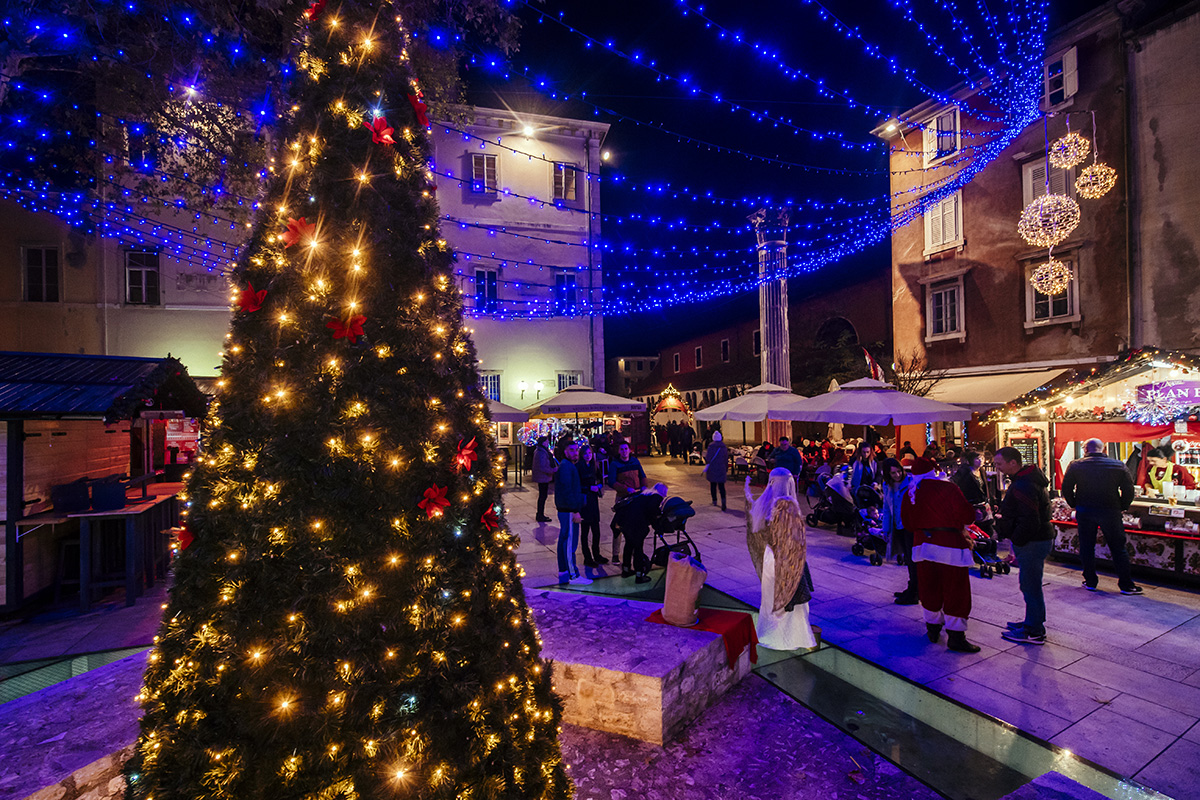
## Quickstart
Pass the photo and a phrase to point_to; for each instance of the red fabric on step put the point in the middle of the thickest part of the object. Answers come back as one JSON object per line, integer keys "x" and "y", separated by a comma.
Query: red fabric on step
{"x": 736, "y": 629}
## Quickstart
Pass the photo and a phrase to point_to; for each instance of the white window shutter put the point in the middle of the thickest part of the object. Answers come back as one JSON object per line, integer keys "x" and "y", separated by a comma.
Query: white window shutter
{"x": 1037, "y": 180}
{"x": 929, "y": 140}
{"x": 950, "y": 231}
{"x": 1070, "y": 73}
{"x": 933, "y": 226}
{"x": 1058, "y": 181}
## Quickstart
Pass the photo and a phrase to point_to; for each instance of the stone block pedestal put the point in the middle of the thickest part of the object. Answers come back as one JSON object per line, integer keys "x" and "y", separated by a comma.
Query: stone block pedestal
{"x": 618, "y": 673}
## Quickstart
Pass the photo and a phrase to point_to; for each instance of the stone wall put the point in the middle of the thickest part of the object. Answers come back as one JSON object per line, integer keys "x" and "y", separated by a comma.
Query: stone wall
{"x": 100, "y": 780}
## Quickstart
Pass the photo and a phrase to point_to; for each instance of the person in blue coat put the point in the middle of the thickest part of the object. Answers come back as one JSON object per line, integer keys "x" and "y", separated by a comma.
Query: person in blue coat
{"x": 900, "y": 542}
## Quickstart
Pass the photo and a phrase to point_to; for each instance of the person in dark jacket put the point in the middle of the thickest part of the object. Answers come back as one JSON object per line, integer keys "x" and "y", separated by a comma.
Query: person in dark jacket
{"x": 1099, "y": 488}
{"x": 589, "y": 532}
{"x": 544, "y": 465}
{"x": 1025, "y": 519}
{"x": 788, "y": 457}
{"x": 635, "y": 516}
{"x": 966, "y": 477}
{"x": 569, "y": 500}
{"x": 716, "y": 468}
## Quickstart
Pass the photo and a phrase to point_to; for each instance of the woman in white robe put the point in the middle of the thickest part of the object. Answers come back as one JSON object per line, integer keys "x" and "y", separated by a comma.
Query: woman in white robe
{"x": 775, "y": 536}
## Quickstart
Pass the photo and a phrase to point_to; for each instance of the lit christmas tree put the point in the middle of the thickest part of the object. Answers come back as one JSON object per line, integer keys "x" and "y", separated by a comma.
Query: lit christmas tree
{"x": 349, "y": 620}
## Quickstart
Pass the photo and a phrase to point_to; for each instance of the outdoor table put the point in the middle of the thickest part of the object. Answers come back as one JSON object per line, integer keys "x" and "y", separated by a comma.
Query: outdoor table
{"x": 142, "y": 520}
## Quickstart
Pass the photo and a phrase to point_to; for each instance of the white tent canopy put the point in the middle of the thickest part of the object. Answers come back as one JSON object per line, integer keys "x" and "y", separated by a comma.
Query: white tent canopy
{"x": 872, "y": 402}
{"x": 763, "y": 402}
{"x": 503, "y": 413}
{"x": 584, "y": 400}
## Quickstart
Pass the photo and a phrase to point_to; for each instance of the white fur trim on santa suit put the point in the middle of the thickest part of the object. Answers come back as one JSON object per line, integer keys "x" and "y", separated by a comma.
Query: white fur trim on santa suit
{"x": 939, "y": 617}
{"x": 952, "y": 556}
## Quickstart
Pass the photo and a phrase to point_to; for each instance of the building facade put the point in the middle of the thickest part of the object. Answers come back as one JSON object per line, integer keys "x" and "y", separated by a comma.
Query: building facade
{"x": 520, "y": 205}
{"x": 963, "y": 302}
{"x": 525, "y": 232}
{"x": 622, "y": 373}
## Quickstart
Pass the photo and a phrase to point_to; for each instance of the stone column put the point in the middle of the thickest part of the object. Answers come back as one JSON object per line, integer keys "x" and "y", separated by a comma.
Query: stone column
{"x": 770, "y": 229}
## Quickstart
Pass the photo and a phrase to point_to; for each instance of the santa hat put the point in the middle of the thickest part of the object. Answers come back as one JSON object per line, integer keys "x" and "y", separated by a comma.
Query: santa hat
{"x": 920, "y": 466}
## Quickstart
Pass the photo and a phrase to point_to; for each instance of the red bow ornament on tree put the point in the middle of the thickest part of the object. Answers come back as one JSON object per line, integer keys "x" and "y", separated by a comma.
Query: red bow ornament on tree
{"x": 381, "y": 132}
{"x": 490, "y": 519}
{"x": 296, "y": 230}
{"x": 417, "y": 101}
{"x": 465, "y": 455}
{"x": 315, "y": 10}
{"x": 250, "y": 300}
{"x": 435, "y": 500}
{"x": 350, "y": 329}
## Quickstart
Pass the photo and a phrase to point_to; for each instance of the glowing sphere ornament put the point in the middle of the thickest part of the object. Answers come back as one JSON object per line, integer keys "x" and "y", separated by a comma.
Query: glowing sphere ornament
{"x": 1158, "y": 408}
{"x": 1095, "y": 181}
{"x": 1069, "y": 151}
{"x": 1048, "y": 220}
{"x": 1051, "y": 278}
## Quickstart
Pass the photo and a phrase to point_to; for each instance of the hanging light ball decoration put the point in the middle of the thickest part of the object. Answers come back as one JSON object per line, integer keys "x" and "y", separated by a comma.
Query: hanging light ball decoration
{"x": 1095, "y": 181}
{"x": 1069, "y": 151}
{"x": 1158, "y": 408}
{"x": 1051, "y": 278}
{"x": 1048, "y": 220}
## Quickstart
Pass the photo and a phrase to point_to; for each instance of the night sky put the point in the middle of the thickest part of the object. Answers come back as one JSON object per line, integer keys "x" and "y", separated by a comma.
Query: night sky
{"x": 761, "y": 158}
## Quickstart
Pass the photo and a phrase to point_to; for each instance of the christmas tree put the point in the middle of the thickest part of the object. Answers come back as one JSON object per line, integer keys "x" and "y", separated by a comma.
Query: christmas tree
{"x": 349, "y": 620}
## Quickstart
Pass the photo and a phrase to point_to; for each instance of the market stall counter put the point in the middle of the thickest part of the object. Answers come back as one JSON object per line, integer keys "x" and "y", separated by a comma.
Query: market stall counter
{"x": 1162, "y": 538}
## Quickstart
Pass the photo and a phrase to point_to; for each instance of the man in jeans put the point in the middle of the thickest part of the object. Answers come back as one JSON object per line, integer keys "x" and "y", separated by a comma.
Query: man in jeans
{"x": 1025, "y": 519}
{"x": 1099, "y": 489}
{"x": 569, "y": 500}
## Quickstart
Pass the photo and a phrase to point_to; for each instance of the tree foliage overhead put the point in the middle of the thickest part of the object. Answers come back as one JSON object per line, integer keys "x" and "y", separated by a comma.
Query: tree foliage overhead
{"x": 176, "y": 104}
{"x": 349, "y": 621}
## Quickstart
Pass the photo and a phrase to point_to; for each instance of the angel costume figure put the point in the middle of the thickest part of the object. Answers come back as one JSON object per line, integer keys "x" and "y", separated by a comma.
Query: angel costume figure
{"x": 776, "y": 538}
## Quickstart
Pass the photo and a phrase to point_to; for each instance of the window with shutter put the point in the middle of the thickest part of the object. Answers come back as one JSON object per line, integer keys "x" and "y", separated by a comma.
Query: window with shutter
{"x": 943, "y": 224}
{"x": 485, "y": 173}
{"x": 489, "y": 384}
{"x": 940, "y": 136}
{"x": 1033, "y": 178}
{"x": 565, "y": 177}
{"x": 565, "y": 296}
{"x": 1060, "y": 79}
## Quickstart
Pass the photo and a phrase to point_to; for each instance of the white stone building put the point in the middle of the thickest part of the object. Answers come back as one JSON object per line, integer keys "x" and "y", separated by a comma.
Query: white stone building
{"x": 521, "y": 206}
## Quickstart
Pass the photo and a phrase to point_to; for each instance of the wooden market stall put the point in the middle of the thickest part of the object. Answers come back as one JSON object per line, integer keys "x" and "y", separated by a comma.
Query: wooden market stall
{"x": 1146, "y": 399}
{"x": 84, "y": 437}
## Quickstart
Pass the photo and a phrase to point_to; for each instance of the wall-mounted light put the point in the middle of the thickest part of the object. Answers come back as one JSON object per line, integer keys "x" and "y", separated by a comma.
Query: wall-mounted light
{"x": 538, "y": 386}
{"x": 522, "y": 386}
{"x": 528, "y": 131}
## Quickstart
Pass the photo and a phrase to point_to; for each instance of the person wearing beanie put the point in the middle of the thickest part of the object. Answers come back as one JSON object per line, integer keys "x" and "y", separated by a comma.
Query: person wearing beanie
{"x": 716, "y": 467}
{"x": 936, "y": 513}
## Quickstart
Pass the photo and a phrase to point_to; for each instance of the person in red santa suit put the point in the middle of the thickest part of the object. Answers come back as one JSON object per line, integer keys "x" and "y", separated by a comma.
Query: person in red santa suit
{"x": 937, "y": 513}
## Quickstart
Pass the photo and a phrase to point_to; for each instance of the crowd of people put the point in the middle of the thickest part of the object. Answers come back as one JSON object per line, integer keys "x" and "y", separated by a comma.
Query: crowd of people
{"x": 933, "y": 508}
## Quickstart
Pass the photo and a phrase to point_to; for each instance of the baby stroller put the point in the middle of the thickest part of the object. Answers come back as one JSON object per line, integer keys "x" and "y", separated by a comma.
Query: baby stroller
{"x": 986, "y": 553}
{"x": 868, "y": 537}
{"x": 672, "y": 522}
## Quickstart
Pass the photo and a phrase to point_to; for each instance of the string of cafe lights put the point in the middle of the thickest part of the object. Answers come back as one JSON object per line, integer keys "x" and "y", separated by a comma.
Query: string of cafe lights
{"x": 696, "y": 90}
{"x": 775, "y": 58}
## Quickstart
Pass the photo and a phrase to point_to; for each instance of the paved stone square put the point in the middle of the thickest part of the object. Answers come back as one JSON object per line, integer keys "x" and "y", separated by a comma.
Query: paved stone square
{"x": 1118, "y": 681}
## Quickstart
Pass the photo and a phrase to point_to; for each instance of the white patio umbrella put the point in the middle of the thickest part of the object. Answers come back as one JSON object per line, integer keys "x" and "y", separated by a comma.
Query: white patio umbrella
{"x": 763, "y": 402}
{"x": 503, "y": 413}
{"x": 583, "y": 400}
{"x": 872, "y": 402}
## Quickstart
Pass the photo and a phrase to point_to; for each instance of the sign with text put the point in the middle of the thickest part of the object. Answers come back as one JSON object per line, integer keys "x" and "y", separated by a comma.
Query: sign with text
{"x": 1184, "y": 391}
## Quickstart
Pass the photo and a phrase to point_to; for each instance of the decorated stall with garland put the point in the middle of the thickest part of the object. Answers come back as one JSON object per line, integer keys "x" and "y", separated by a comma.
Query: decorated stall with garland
{"x": 1145, "y": 400}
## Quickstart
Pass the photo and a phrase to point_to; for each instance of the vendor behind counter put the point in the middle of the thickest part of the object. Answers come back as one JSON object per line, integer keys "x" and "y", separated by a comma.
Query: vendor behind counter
{"x": 1161, "y": 469}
